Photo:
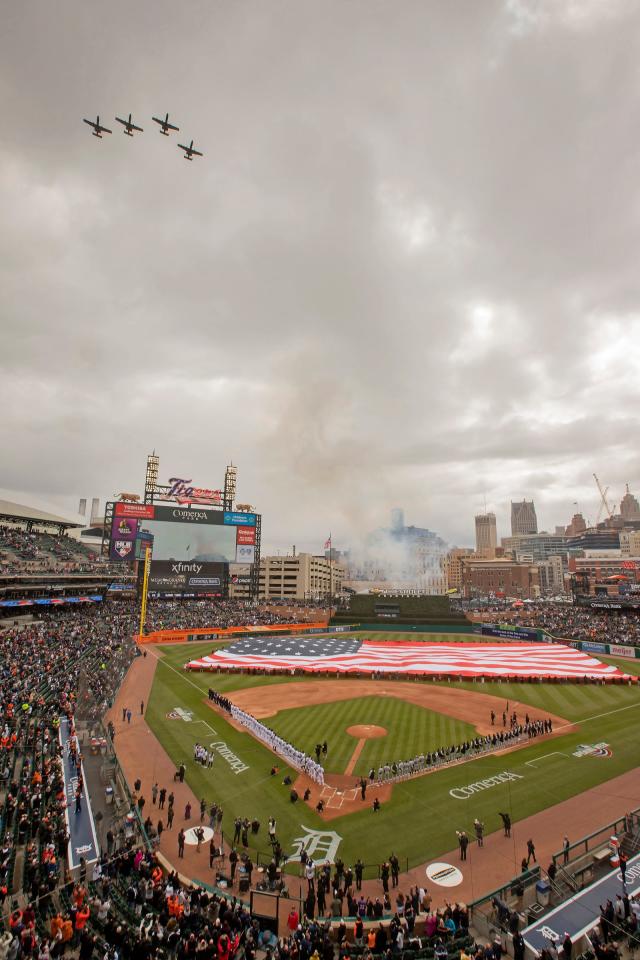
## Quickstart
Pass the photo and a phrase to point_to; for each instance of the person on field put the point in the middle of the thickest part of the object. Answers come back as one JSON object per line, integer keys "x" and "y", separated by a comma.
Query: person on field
{"x": 463, "y": 843}
{"x": 478, "y": 826}
{"x": 506, "y": 823}
{"x": 531, "y": 851}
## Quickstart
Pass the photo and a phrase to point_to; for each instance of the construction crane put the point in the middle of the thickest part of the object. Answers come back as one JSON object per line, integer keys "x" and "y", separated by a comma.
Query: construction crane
{"x": 603, "y": 498}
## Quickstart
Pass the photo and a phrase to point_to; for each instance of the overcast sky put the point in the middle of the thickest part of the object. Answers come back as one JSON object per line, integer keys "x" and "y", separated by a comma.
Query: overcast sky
{"x": 405, "y": 272}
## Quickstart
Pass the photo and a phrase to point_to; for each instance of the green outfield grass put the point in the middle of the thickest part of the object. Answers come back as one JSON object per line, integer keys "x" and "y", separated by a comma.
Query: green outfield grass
{"x": 420, "y": 821}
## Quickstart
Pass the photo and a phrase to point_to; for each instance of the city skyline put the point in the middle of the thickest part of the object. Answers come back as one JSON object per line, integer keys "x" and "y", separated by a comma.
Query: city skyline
{"x": 403, "y": 271}
{"x": 345, "y": 541}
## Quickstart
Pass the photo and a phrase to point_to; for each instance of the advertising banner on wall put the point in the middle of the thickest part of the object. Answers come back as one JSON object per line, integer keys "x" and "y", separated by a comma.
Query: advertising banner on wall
{"x": 143, "y": 511}
{"x": 124, "y": 531}
{"x": 240, "y": 519}
{"x": 508, "y": 632}
{"x": 618, "y": 651}
{"x": 124, "y": 528}
{"x": 170, "y": 576}
{"x": 591, "y": 647}
{"x": 246, "y": 535}
{"x": 245, "y": 553}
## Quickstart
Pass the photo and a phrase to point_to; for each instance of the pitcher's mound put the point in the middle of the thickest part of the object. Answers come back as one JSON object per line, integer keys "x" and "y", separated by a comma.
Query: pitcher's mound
{"x": 366, "y": 731}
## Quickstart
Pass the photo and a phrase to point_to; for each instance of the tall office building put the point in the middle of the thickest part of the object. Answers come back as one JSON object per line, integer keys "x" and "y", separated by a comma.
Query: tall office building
{"x": 523, "y": 517}
{"x": 486, "y": 535}
{"x": 629, "y": 508}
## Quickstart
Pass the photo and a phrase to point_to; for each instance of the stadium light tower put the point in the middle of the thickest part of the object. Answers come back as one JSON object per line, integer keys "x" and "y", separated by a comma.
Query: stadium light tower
{"x": 230, "y": 480}
{"x": 151, "y": 477}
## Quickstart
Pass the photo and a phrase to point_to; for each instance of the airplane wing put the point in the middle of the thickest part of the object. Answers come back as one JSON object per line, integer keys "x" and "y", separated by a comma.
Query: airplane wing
{"x": 103, "y": 130}
{"x": 170, "y": 126}
{"x": 182, "y": 147}
{"x": 90, "y": 122}
{"x": 133, "y": 127}
{"x": 123, "y": 122}
{"x": 197, "y": 153}
{"x": 161, "y": 122}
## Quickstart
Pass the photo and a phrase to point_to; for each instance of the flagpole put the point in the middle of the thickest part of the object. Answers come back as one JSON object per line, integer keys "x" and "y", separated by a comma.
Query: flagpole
{"x": 330, "y": 579}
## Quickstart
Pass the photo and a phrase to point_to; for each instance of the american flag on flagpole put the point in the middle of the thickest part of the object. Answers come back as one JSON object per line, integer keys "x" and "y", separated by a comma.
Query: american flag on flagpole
{"x": 327, "y": 543}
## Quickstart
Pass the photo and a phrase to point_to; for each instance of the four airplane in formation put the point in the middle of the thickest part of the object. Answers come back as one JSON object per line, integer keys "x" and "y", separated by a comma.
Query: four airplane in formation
{"x": 129, "y": 126}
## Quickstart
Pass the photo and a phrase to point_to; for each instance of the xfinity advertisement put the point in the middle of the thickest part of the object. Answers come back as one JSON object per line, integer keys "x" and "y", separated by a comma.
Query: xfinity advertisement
{"x": 179, "y": 576}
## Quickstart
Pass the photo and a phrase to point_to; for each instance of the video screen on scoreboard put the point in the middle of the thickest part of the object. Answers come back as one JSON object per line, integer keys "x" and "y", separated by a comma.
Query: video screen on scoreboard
{"x": 192, "y": 541}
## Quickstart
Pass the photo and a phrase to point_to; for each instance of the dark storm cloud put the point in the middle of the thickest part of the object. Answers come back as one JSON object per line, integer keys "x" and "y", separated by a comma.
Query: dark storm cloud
{"x": 404, "y": 273}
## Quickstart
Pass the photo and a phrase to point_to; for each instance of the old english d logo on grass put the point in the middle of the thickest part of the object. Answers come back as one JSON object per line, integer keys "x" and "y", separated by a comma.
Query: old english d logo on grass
{"x": 320, "y": 845}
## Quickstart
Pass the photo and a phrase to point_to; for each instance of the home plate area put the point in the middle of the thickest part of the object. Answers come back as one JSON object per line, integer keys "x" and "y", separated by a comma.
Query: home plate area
{"x": 334, "y": 797}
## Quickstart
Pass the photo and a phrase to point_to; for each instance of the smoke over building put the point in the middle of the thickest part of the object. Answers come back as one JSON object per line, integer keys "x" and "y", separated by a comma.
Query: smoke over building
{"x": 405, "y": 558}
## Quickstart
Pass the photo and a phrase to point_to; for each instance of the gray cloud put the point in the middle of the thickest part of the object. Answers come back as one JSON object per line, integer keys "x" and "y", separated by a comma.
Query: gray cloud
{"x": 404, "y": 272}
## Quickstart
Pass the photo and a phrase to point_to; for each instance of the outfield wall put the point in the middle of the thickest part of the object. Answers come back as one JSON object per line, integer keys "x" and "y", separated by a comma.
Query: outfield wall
{"x": 505, "y": 631}
{"x": 235, "y": 633}
{"x": 625, "y": 651}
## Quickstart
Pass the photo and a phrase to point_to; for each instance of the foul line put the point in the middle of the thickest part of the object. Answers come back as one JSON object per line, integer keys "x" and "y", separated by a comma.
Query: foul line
{"x": 556, "y": 753}
{"x": 599, "y": 716}
{"x": 354, "y": 757}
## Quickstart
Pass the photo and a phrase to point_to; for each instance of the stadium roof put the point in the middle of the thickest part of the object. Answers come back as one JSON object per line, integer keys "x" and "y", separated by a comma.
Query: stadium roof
{"x": 20, "y": 512}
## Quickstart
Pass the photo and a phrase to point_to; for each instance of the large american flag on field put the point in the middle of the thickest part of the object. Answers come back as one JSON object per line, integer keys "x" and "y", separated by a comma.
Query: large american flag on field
{"x": 319, "y": 654}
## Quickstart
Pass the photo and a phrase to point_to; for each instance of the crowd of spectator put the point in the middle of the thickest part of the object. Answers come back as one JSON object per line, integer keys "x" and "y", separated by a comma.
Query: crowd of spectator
{"x": 568, "y": 621}
{"x": 182, "y": 614}
{"x": 30, "y": 552}
{"x": 32, "y": 545}
{"x": 207, "y": 612}
{"x": 47, "y": 670}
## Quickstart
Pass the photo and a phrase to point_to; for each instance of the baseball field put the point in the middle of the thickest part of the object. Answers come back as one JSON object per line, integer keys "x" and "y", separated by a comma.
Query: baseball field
{"x": 367, "y": 723}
